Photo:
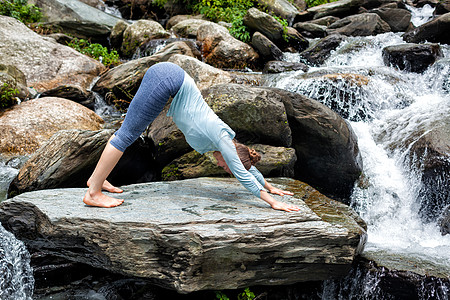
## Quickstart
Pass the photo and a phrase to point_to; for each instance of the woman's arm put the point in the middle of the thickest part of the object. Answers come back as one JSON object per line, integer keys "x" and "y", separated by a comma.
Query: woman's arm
{"x": 275, "y": 204}
{"x": 273, "y": 190}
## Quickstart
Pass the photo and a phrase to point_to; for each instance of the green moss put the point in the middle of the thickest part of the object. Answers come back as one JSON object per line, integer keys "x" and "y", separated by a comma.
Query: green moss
{"x": 170, "y": 172}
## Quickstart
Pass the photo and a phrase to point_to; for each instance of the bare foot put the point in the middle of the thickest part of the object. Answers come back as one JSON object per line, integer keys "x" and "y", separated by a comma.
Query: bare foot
{"x": 107, "y": 187}
{"x": 101, "y": 200}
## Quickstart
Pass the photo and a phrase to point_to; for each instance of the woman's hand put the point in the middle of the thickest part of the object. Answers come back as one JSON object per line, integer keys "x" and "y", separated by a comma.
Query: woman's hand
{"x": 284, "y": 206}
{"x": 277, "y": 191}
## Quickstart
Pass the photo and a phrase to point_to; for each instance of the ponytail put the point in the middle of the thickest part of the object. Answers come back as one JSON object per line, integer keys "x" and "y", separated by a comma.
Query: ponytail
{"x": 247, "y": 156}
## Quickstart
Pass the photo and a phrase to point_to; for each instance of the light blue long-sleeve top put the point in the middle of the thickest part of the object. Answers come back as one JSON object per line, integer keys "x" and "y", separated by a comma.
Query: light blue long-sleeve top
{"x": 205, "y": 131}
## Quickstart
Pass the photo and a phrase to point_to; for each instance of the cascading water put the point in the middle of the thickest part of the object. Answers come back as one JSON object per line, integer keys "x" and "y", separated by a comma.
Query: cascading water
{"x": 385, "y": 107}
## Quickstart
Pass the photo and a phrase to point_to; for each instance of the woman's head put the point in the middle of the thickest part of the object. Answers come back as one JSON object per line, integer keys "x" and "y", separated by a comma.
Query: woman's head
{"x": 247, "y": 156}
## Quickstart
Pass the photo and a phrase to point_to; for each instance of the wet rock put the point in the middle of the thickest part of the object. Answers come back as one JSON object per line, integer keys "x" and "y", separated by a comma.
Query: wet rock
{"x": 327, "y": 149}
{"x": 222, "y": 50}
{"x": 275, "y": 162}
{"x": 140, "y": 32}
{"x": 442, "y": 7}
{"x": 398, "y": 19}
{"x": 411, "y": 57}
{"x": 283, "y": 66}
{"x": 444, "y": 221}
{"x": 60, "y": 38}
{"x": 371, "y": 4}
{"x": 318, "y": 53}
{"x": 186, "y": 241}
{"x": 265, "y": 47}
{"x": 257, "y": 115}
{"x": 116, "y": 36}
{"x": 73, "y": 93}
{"x": 360, "y": 25}
{"x": 311, "y": 30}
{"x": 77, "y": 18}
{"x": 435, "y": 31}
{"x": 26, "y": 127}
{"x": 295, "y": 40}
{"x": 257, "y": 20}
{"x": 119, "y": 84}
{"x": 15, "y": 79}
{"x": 339, "y": 9}
{"x": 29, "y": 52}
{"x": 282, "y": 8}
{"x": 188, "y": 28}
{"x": 324, "y": 21}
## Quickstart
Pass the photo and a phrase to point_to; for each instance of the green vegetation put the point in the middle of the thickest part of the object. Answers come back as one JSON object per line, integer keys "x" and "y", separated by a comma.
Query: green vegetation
{"x": 311, "y": 3}
{"x": 285, "y": 25}
{"x": 245, "y": 295}
{"x": 96, "y": 51}
{"x": 21, "y": 10}
{"x": 7, "y": 96}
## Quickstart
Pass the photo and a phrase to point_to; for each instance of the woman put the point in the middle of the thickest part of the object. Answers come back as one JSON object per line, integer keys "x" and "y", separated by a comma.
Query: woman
{"x": 203, "y": 130}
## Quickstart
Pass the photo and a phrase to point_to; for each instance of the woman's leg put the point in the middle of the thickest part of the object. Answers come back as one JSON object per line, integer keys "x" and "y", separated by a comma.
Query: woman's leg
{"x": 160, "y": 82}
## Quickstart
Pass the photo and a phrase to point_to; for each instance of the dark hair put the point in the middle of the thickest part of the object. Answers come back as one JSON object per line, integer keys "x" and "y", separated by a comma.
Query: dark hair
{"x": 248, "y": 156}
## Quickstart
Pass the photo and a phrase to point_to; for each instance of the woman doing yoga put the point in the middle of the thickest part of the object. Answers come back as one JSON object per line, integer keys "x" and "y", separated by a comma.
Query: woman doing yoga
{"x": 203, "y": 129}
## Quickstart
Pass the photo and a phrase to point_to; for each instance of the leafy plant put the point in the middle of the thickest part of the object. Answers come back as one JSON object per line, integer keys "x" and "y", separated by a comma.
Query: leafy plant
{"x": 285, "y": 25}
{"x": 221, "y": 296}
{"x": 21, "y": 10}
{"x": 96, "y": 51}
{"x": 246, "y": 295}
{"x": 311, "y": 3}
{"x": 7, "y": 96}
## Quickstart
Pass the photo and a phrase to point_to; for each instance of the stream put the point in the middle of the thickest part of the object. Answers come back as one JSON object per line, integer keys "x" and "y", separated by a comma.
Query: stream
{"x": 384, "y": 106}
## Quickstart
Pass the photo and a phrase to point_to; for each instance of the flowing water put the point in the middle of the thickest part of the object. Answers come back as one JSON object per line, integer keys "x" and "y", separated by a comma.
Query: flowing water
{"x": 388, "y": 110}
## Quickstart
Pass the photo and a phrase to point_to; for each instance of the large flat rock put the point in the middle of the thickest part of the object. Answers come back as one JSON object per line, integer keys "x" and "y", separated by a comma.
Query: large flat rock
{"x": 196, "y": 234}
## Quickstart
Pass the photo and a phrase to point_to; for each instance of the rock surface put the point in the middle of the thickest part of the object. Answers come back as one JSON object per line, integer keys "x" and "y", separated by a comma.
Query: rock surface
{"x": 360, "y": 25}
{"x": 25, "y": 127}
{"x": 411, "y": 57}
{"x": 194, "y": 234}
{"x": 435, "y": 31}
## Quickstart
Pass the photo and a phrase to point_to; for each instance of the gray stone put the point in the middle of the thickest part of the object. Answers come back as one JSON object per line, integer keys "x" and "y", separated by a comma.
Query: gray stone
{"x": 311, "y": 30}
{"x": 188, "y": 28}
{"x": 324, "y": 21}
{"x": 442, "y": 7}
{"x": 178, "y": 18}
{"x": 265, "y": 47}
{"x": 257, "y": 115}
{"x": 339, "y": 9}
{"x": 30, "y": 52}
{"x": 411, "y": 57}
{"x": 282, "y": 8}
{"x": 283, "y": 66}
{"x": 140, "y": 32}
{"x": 257, "y": 20}
{"x": 197, "y": 234}
{"x": 318, "y": 53}
{"x": 435, "y": 31}
{"x": 116, "y": 36}
{"x": 15, "y": 79}
{"x": 360, "y": 25}
{"x": 398, "y": 19}
{"x": 295, "y": 40}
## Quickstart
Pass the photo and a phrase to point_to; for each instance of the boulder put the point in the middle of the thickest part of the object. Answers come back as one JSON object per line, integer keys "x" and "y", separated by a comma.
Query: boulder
{"x": 317, "y": 54}
{"x": 311, "y": 30}
{"x": 69, "y": 157}
{"x": 295, "y": 40}
{"x": 257, "y": 20}
{"x": 69, "y": 92}
{"x": 222, "y": 50}
{"x": 275, "y": 162}
{"x": 215, "y": 236}
{"x": 122, "y": 82}
{"x": 282, "y": 8}
{"x": 283, "y": 66}
{"x": 411, "y": 57}
{"x": 398, "y": 19}
{"x": 15, "y": 79}
{"x": 444, "y": 222}
{"x": 257, "y": 115}
{"x": 360, "y": 25}
{"x": 77, "y": 18}
{"x": 339, "y": 9}
{"x": 29, "y": 52}
{"x": 442, "y": 7}
{"x": 140, "y": 32}
{"x": 434, "y": 31}
{"x": 371, "y": 4}
{"x": 430, "y": 154}
{"x": 324, "y": 21}
{"x": 266, "y": 48}
{"x": 116, "y": 36}
{"x": 178, "y": 18}
{"x": 188, "y": 28}
{"x": 327, "y": 149}
{"x": 26, "y": 127}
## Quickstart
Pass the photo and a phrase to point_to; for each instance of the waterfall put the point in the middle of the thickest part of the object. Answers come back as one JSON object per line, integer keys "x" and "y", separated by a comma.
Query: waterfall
{"x": 385, "y": 107}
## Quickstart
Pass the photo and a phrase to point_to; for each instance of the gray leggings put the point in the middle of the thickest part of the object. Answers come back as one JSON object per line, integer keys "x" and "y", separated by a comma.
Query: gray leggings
{"x": 160, "y": 82}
